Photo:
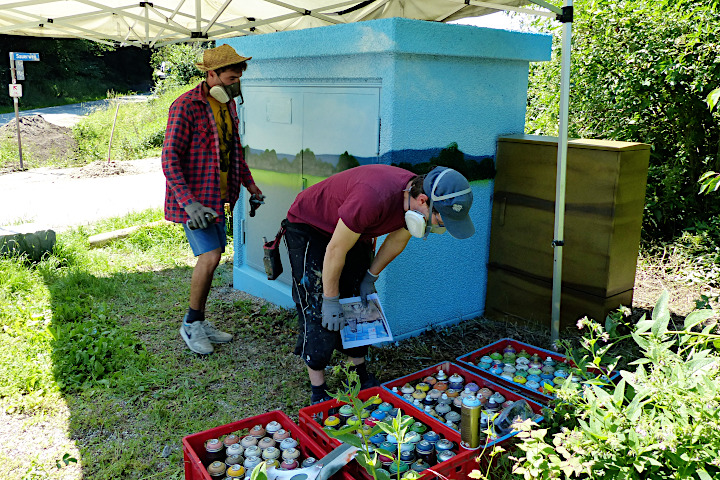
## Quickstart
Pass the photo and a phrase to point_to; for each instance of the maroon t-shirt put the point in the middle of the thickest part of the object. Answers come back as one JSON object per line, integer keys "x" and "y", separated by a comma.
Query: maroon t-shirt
{"x": 369, "y": 199}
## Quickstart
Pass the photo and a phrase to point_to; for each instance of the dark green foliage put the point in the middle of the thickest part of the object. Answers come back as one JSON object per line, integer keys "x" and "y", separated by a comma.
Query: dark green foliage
{"x": 642, "y": 71}
{"x": 452, "y": 157}
{"x": 71, "y": 71}
{"x": 94, "y": 350}
{"x": 346, "y": 162}
{"x": 179, "y": 64}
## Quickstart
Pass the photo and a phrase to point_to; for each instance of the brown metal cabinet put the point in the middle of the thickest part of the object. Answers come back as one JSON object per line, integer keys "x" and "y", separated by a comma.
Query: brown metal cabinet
{"x": 605, "y": 194}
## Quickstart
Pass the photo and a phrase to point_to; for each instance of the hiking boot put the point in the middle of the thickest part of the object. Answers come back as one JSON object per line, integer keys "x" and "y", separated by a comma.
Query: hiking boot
{"x": 215, "y": 335}
{"x": 196, "y": 338}
{"x": 370, "y": 382}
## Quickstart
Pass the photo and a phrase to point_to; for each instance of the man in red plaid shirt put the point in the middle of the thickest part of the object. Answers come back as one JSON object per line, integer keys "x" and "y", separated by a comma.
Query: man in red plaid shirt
{"x": 204, "y": 168}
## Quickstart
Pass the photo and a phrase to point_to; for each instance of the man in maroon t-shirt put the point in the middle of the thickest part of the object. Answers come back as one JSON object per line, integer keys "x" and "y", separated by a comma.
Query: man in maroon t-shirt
{"x": 330, "y": 231}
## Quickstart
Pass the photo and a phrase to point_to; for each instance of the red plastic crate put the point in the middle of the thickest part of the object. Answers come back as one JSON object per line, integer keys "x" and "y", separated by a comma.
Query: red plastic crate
{"x": 450, "y": 368}
{"x": 448, "y": 469}
{"x": 194, "y": 445}
{"x": 469, "y": 359}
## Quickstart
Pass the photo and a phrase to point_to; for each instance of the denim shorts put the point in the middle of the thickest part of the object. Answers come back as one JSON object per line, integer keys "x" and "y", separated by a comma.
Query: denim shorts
{"x": 205, "y": 240}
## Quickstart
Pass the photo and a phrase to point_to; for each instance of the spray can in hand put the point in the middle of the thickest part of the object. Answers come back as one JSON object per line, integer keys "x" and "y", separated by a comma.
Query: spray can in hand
{"x": 470, "y": 422}
{"x": 208, "y": 216}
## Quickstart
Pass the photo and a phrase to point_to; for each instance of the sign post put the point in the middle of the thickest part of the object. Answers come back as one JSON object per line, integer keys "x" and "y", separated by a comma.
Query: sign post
{"x": 17, "y": 71}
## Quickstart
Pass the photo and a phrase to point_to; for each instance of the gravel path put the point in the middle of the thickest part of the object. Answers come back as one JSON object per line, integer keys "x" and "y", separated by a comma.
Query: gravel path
{"x": 58, "y": 198}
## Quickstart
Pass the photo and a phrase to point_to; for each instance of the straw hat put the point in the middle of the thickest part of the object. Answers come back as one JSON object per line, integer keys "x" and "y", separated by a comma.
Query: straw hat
{"x": 218, "y": 57}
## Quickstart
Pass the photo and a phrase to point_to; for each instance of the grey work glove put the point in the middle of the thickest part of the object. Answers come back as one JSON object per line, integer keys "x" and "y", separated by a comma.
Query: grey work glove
{"x": 200, "y": 215}
{"x": 367, "y": 286}
{"x": 332, "y": 314}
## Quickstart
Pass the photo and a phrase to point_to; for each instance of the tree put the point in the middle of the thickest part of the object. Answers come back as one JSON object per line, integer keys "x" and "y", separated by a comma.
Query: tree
{"x": 73, "y": 70}
{"x": 641, "y": 72}
{"x": 346, "y": 162}
{"x": 710, "y": 181}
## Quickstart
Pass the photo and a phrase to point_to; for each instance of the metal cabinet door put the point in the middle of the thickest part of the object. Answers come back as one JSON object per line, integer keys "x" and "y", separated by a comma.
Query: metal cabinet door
{"x": 296, "y": 136}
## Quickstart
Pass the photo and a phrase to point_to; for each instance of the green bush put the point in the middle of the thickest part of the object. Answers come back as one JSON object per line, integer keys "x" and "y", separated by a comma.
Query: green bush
{"x": 139, "y": 129}
{"x": 179, "y": 60}
{"x": 641, "y": 72}
{"x": 94, "y": 351}
{"x": 661, "y": 421}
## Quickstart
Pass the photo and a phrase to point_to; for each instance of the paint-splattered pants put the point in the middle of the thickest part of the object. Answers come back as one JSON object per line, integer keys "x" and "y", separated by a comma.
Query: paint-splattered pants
{"x": 306, "y": 248}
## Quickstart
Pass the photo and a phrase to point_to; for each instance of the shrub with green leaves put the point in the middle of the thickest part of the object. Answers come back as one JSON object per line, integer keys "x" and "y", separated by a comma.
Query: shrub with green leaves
{"x": 660, "y": 421}
{"x": 95, "y": 351}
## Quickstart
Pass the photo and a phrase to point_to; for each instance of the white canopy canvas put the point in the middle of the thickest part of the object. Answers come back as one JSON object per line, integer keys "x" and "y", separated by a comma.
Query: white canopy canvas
{"x": 162, "y": 22}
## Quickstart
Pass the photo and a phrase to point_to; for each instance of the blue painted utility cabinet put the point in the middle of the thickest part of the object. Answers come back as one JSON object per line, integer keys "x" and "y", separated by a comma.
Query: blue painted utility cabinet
{"x": 394, "y": 91}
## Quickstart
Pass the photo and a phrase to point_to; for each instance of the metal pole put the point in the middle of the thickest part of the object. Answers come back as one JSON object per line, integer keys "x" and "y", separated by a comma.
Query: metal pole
{"x": 112, "y": 132}
{"x": 17, "y": 110}
{"x": 558, "y": 238}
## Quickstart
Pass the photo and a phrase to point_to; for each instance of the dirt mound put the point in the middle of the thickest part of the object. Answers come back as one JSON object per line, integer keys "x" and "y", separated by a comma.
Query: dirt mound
{"x": 41, "y": 140}
{"x": 102, "y": 168}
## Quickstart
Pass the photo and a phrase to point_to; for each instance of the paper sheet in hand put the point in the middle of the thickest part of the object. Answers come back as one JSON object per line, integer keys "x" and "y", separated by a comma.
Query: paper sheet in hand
{"x": 364, "y": 326}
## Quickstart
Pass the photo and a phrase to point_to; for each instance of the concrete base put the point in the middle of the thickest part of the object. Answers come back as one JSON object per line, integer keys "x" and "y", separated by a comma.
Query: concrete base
{"x": 254, "y": 282}
{"x": 30, "y": 239}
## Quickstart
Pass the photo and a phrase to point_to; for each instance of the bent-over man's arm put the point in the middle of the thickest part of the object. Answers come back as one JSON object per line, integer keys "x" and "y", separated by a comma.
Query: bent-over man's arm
{"x": 393, "y": 245}
{"x": 341, "y": 242}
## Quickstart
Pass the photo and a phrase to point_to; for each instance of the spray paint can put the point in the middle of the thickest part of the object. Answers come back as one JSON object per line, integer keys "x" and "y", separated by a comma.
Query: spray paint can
{"x": 216, "y": 469}
{"x": 426, "y": 452}
{"x": 470, "y": 422}
{"x": 281, "y": 435}
{"x": 253, "y": 451}
{"x": 266, "y": 442}
{"x": 456, "y": 382}
{"x": 236, "y": 471}
{"x": 443, "y": 445}
{"x": 288, "y": 443}
{"x": 234, "y": 449}
{"x": 271, "y": 453}
{"x": 248, "y": 441}
{"x": 272, "y": 427}
{"x": 258, "y": 431}
{"x": 344, "y": 413}
{"x": 251, "y": 462}
{"x": 214, "y": 451}
{"x": 290, "y": 454}
{"x": 234, "y": 460}
{"x": 453, "y": 417}
{"x": 332, "y": 422}
{"x": 308, "y": 462}
{"x": 230, "y": 439}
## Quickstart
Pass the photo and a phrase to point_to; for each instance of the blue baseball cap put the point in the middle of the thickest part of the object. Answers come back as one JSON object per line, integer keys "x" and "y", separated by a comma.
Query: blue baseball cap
{"x": 450, "y": 194}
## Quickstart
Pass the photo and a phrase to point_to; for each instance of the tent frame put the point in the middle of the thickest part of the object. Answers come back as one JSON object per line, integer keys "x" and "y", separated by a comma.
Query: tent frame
{"x": 136, "y": 31}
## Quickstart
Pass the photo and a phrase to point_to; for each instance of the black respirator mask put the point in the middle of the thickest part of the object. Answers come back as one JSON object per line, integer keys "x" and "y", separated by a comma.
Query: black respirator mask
{"x": 224, "y": 93}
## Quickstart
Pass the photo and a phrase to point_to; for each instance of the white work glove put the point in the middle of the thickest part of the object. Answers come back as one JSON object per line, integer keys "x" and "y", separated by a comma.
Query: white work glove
{"x": 367, "y": 286}
{"x": 332, "y": 313}
{"x": 200, "y": 215}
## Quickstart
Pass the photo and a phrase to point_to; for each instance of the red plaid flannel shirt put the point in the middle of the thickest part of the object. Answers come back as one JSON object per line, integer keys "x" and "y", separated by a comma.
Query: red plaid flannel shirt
{"x": 191, "y": 157}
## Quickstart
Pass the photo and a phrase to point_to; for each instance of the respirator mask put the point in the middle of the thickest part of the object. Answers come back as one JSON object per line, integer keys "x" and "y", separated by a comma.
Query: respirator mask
{"x": 417, "y": 224}
{"x": 224, "y": 93}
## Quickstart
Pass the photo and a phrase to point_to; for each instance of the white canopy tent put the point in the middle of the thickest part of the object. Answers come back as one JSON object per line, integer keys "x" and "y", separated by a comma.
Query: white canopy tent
{"x": 161, "y": 22}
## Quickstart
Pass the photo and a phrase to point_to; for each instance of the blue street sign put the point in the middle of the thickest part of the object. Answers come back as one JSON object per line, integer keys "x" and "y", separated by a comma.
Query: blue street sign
{"x": 26, "y": 57}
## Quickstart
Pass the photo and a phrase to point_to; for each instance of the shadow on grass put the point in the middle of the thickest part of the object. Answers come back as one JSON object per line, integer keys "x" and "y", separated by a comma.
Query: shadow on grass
{"x": 134, "y": 389}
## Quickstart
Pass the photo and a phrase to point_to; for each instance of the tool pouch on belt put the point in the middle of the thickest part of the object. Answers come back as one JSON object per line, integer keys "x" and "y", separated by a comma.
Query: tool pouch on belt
{"x": 271, "y": 259}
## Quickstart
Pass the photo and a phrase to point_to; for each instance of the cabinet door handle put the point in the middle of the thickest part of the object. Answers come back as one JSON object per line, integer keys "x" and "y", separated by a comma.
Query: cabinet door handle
{"x": 501, "y": 210}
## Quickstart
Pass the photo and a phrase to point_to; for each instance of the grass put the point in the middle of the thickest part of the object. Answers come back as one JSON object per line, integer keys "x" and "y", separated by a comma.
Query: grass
{"x": 139, "y": 130}
{"x": 93, "y": 366}
{"x": 139, "y": 133}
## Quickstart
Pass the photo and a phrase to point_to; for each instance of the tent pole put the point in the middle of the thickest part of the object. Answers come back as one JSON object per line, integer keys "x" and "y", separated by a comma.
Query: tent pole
{"x": 558, "y": 238}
